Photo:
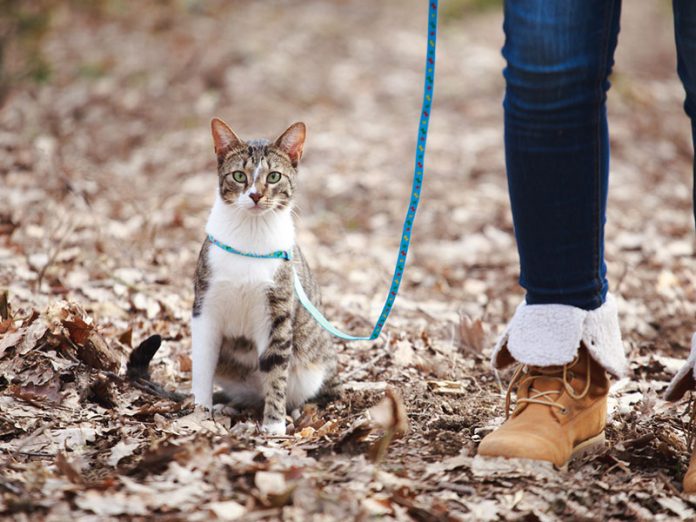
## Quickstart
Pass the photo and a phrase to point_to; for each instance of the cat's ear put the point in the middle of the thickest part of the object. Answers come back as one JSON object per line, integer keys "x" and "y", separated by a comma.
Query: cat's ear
{"x": 224, "y": 138}
{"x": 292, "y": 142}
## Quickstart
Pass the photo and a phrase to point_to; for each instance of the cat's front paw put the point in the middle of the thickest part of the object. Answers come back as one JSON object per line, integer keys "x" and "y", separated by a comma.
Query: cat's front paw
{"x": 204, "y": 412}
{"x": 274, "y": 428}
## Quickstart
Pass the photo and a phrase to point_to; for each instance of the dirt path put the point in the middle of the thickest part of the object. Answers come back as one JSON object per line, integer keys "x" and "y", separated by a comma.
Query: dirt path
{"x": 106, "y": 178}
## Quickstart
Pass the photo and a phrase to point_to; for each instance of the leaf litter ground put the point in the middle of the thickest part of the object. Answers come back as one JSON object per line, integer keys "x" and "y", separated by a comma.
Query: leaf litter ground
{"x": 106, "y": 179}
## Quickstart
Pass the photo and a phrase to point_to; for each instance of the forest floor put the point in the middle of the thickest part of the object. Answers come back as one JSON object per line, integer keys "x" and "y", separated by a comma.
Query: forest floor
{"x": 107, "y": 174}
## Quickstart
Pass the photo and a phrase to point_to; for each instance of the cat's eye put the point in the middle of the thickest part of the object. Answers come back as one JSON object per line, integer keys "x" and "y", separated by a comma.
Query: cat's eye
{"x": 273, "y": 177}
{"x": 239, "y": 176}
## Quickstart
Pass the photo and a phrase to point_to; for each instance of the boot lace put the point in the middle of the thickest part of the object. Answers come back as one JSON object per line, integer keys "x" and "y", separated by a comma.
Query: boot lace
{"x": 524, "y": 374}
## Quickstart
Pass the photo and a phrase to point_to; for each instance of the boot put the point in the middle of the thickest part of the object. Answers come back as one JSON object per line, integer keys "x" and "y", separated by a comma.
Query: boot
{"x": 690, "y": 476}
{"x": 560, "y": 412}
{"x": 684, "y": 381}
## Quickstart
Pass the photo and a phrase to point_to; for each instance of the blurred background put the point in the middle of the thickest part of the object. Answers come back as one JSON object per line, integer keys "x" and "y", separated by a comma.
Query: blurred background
{"x": 107, "y": 167}
{"x": 107, "y": 174}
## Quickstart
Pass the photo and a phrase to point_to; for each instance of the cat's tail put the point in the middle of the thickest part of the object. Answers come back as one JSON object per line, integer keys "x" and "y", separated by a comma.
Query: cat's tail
{"x": 139, "y": 360}
{"x": 138, "y": 369}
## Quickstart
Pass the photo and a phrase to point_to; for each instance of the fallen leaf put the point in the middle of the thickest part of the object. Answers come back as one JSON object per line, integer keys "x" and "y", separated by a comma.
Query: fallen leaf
{"x": 483, "y": 510}
{"x": 68, "y": 469}
{"x": 377, "y": 506}
{"x": 472, "y": 336}
{"x": 403, "y": 355}
{"x": 5, "y": 325}
{"x": 78, "y": 329}
{"x": 677, "y": 506}
{"x": 111, "y": 504}
{"x": 38, "y": 393}
{"x": 122, "y": 449}
{"x": 126, "y": 337}
{"x": 227, "y": 510}
{"x": 273, "y": 488}
{"x": 10, "y": 340}
{"x": 390, "y": 413}
{"x": 184, "y": 363}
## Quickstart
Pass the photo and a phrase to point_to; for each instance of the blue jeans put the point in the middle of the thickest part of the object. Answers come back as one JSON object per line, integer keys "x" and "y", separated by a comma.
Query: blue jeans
{"x": 559, "y": 55}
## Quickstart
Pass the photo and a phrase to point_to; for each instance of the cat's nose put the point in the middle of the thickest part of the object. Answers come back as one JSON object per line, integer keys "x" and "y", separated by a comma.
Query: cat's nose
{"x": 255, "y": 197}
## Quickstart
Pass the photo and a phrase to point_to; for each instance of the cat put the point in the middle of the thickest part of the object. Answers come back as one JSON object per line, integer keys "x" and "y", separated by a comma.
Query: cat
{"x": 250, "y": 334}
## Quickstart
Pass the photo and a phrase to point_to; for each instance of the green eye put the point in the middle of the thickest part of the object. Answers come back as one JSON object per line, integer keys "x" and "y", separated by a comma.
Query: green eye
{"x": 273, "y": 177}
{"x": 239, "y": 176}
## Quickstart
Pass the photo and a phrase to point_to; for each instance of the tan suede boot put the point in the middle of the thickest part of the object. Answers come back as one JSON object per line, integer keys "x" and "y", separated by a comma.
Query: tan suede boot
{"x": 685, "y": 381}
{"x": 690, "y": 476}
{"x": 561, "y": 412}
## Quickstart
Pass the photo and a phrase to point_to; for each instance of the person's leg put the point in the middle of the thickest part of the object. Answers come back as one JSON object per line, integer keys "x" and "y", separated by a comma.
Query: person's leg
{"x": 559, "y": 56}
{"x": 685, "y": 37}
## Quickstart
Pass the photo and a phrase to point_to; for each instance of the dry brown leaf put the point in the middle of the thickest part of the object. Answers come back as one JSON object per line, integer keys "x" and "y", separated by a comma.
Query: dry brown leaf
{"x": 10, "y": 340}
{"x": 5, "y": 325}
{"x": 67, "y": 468}
{"x": 472, "y": 335}
{"x": 185, "y": 363}
{"x": 390, "y": 413}
{"x": 126, "y": 337}
{"x": 122, "y": 449}
{"x": 33, "y": 393}
{"x": 78, "y": 329}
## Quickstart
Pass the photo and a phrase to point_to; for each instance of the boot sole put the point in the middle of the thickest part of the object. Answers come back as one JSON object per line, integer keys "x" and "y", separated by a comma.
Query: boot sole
{"x": 587, "y": 448}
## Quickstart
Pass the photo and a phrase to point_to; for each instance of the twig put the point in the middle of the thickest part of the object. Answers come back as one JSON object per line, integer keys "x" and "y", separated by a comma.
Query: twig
{"x": 51, "y": 259}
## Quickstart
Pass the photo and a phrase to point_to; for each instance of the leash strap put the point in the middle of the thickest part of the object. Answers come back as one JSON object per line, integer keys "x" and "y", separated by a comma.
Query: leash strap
{"x": 412, "y": 207}
{"x": 278, "y": 254}
{"x": 410, "y": 214}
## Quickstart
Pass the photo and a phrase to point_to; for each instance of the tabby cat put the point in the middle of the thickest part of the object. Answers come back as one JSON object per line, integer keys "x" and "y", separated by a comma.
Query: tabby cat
{"x": 250, "y": 334}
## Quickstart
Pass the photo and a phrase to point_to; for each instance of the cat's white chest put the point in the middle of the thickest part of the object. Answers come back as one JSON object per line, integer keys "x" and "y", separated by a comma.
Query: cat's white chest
{"x": 237, "y": 295}
{"x": 240, "y": 270}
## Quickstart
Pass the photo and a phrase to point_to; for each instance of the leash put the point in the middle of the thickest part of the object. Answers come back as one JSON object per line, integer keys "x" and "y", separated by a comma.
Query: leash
{"x": 278, "y": 254}
{"x": 410, "y": 214}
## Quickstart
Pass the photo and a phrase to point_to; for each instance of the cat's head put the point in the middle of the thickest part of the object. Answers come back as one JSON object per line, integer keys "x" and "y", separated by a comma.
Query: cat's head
{"x": 258, "y": 175}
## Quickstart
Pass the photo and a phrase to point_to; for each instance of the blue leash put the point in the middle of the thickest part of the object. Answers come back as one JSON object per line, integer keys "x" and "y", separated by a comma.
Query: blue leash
{"x": 278, "y": 254}
{"x": 410, "y": 215}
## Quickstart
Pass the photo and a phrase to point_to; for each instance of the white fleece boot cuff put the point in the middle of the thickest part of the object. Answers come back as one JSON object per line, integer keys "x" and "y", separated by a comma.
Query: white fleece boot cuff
{"x": 550, "y": 335}
{"x": 685, "y": 378}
